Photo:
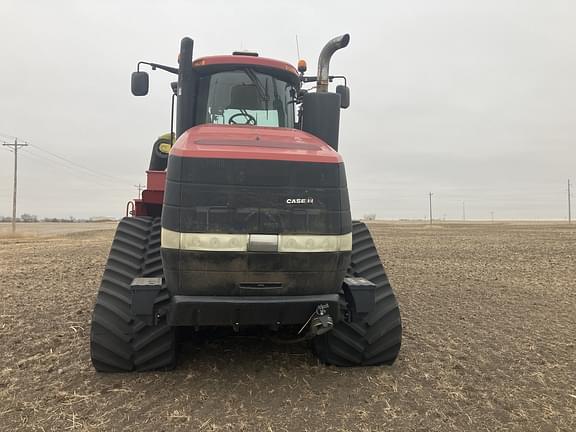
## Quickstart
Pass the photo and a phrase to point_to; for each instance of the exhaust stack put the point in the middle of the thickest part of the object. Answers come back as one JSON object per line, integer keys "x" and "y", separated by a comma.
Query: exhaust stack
{"x": 186, "y": 88}
{"x": 326, "y": 54}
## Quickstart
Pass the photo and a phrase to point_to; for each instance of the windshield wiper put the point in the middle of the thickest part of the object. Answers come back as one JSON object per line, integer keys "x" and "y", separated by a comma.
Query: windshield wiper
{"x": 254, "y": 78}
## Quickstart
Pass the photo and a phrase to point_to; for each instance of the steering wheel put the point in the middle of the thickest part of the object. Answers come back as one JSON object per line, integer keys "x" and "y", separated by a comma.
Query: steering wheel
{"x": 250, "y": 120}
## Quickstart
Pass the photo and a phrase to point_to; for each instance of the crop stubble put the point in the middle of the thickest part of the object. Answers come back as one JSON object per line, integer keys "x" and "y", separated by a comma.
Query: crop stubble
{"x": 489, "y": 343}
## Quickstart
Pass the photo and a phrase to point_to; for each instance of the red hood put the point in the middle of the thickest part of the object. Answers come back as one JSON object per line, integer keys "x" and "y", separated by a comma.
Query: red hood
{"x": 253, "y": 142}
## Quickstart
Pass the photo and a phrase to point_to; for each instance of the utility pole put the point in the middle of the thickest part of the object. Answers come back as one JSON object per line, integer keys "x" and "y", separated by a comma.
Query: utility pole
{"x": 492, "y": 216}
{"x": 430, "y": 197}
{"x": 140, "y": 189}
{"x": 15, "y": 145}
{"x": 569, "y": 204}
{"x": 464, "y": 210}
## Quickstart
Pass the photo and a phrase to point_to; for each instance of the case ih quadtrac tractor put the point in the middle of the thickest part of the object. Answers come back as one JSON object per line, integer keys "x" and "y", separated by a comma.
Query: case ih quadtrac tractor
{"x": 245, "y": 222}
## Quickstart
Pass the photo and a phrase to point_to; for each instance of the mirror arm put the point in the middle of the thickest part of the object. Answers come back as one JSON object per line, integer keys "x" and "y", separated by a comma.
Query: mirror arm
{"x": 333, "y": 77}
{"x": 307, "y": 79}
{"x": 155, "y": 66}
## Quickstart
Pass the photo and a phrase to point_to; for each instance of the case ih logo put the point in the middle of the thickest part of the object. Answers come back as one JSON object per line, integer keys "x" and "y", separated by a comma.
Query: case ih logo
{"x": 300, "y": 201}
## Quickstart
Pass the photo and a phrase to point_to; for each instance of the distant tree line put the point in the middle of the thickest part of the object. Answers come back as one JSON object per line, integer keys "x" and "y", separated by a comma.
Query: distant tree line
{"x": 23, "y": 218}
{"x": 30, "y": 218}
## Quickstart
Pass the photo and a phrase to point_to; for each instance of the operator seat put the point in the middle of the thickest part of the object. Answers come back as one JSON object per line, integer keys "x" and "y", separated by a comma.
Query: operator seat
{"x": 245, "y": 97}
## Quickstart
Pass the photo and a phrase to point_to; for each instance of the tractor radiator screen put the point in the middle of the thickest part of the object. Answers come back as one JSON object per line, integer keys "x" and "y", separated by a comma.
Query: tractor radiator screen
{"x": 244, "y": 196}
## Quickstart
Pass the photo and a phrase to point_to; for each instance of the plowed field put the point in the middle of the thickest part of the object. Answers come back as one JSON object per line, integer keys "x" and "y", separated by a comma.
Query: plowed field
{"x": 489, "y": 313}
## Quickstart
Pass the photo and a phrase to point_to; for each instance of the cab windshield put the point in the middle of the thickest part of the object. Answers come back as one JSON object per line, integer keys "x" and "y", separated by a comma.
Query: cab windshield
{"x": 245, "y": 97}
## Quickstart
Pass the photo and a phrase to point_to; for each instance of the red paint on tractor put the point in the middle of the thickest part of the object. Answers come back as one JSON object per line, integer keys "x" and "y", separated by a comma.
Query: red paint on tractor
{"x": 235, "y": 142}
{"x": 252, "y": 142}
{"x": 155, "y": 180}
{"x": 245, "y": 60}
{"x": 153, "y": 196}
{"x": 139, "y": 208}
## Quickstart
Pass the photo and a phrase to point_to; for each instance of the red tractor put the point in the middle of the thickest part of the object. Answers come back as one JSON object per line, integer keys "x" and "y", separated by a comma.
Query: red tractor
{"x": 245, "y": 222}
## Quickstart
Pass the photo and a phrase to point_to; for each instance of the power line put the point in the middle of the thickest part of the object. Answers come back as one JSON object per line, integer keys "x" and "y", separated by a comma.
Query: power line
{"x": 78, "y": 174}
{"x": 71, "y": 162}
{"x": 5, "y": 135}
{"x": 71, "y": 168}
{"x": 15, "y": 146}
{"x": 430, "y": 197}
{"x": 78, "y": 165}
{"x": 140, "y": 189}
{"x": 62, "y": 167}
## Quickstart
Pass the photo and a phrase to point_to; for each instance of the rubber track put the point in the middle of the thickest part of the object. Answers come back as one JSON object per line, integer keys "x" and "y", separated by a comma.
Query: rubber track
{"x": 377, "y": 338}
{"x": 119, "y": 342}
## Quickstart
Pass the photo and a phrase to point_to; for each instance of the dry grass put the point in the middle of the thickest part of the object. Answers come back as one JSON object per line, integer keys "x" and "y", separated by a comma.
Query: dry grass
{"x": 45, "y": 229}
{"x": 489, "y": 314}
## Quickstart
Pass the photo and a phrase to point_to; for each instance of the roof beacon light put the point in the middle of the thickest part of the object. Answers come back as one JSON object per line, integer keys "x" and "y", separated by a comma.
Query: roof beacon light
{"x": 302, "y": 66}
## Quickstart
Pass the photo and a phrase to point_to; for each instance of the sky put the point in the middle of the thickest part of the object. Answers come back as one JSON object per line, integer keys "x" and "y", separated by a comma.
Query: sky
{"x": 474, "y": 101}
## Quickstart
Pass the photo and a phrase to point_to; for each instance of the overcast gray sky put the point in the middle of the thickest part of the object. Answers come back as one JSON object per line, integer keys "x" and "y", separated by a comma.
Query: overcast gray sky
{"x": 472, "y": 100}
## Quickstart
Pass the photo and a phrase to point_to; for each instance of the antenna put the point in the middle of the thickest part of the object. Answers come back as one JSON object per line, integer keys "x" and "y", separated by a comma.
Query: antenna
{"x": 297, "y": 47}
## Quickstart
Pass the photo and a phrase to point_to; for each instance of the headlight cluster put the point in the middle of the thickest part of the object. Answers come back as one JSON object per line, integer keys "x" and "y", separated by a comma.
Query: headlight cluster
{"x": 239, "y": 242}
{"x": 214, "y": 242}
{"x": 314, "y": 243}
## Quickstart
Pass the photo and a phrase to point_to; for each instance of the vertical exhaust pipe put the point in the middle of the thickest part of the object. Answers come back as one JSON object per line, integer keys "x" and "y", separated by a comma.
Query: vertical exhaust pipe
{"x": 329, "y": 49}
{"x": 186, "y": 88}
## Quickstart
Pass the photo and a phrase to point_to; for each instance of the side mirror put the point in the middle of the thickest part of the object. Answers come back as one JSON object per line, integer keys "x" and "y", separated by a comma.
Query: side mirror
{"x": 344, "y": 93}
{"x": 140, "y": 82}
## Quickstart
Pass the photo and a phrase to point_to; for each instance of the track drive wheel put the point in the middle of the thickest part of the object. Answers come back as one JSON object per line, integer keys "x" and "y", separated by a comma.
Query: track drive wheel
{"x": 376, "y": 339}
{"x": 119, "y": 341}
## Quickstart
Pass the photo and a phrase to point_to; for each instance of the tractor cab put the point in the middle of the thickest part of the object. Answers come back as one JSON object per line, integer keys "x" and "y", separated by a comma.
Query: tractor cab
{"x": 245, "y": 90}
{"x": 237, "y": 89}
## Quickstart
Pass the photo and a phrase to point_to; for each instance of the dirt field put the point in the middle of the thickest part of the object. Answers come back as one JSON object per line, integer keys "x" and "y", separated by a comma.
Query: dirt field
{"x": 489, "y": 344}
